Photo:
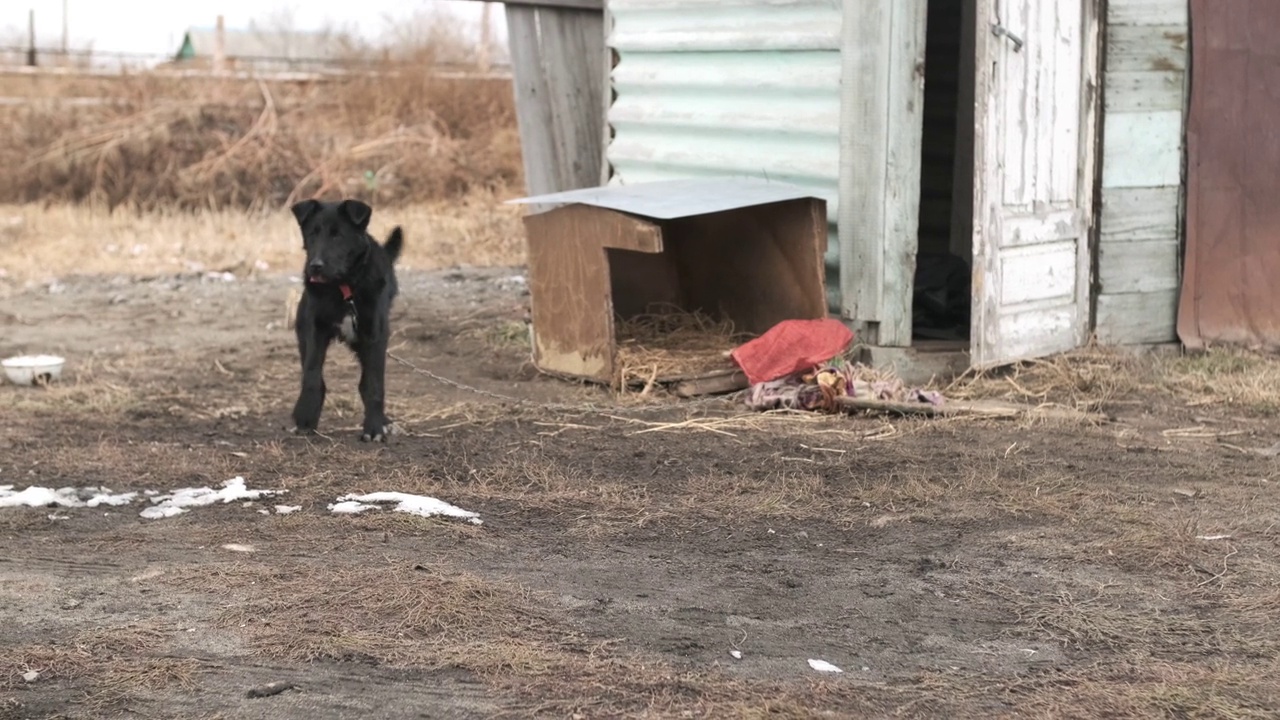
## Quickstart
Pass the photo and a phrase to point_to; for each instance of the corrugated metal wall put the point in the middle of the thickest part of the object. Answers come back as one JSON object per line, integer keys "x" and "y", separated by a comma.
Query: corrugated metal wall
{"x": 729, "y": 87}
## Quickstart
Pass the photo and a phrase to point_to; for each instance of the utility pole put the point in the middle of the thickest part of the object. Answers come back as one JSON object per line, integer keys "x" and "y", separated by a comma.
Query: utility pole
{"x": 66, "y": 35}
{"x": 486, "y": 40}
{"x": 219, "y": 47}
{"x": 31, "y": 37}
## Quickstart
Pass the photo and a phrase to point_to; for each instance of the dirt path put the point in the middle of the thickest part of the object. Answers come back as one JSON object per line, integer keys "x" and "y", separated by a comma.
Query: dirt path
{"x": 950, "y": 568}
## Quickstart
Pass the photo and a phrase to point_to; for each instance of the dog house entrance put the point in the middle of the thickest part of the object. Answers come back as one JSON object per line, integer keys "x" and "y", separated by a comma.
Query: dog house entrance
{"x": 744, "y": 252}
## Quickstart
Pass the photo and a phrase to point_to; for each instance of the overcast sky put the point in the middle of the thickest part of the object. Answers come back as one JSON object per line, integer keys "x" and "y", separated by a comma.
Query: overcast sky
{"x": 155, "y": 27}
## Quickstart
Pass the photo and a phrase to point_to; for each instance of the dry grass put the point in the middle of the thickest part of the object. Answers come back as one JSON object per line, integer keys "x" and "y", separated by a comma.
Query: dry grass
{"x": 435, "y": 617}
{"x": 404, "y": 136}
{"x": 111, "y": 665}
{"x": 1093, "y": 378}
{"x": 425, "y": 616}
{"x": 41, "y": 243}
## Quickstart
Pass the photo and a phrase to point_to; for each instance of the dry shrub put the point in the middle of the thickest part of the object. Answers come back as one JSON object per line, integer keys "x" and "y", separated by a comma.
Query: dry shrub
{"x": 400, "y": 134}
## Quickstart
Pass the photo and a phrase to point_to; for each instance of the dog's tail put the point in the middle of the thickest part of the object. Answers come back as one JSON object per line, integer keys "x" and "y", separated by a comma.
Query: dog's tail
{"x": 394, "y": 244}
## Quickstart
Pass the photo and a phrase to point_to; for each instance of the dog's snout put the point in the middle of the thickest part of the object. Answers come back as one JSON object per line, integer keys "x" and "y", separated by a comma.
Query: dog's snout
{"x": 315, "y": 267}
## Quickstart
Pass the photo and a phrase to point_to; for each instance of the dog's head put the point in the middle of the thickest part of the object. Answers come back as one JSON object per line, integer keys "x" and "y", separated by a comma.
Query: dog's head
{"x": 335, "y": 237}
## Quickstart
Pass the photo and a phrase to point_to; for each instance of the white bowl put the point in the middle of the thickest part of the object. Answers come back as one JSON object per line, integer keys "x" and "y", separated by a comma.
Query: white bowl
{"x": 33, "y": 369}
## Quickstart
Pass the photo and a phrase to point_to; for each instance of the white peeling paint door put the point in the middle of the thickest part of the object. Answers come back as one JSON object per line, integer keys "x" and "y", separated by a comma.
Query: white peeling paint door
{"x": 1034, "y": 153}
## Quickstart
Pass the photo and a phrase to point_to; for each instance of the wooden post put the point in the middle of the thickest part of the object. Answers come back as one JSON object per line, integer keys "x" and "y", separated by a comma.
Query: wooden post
{"x": 882, "y": 94}
{"x": 560, "y": 81}
{"x": 219, "y": 47}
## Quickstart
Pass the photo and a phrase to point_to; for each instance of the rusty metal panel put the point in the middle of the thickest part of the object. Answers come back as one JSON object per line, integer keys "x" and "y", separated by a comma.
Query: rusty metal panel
{"x": 1230, "y": 293}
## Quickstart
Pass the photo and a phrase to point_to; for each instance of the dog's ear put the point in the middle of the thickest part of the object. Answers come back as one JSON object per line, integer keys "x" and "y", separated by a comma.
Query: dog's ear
{"x": 305, "y": 209}
{"x": 358, "y": 212}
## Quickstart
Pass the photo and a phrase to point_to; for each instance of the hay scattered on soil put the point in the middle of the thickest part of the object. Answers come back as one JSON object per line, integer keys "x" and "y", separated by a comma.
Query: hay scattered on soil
{"x": 113, "y": 663}
{"x": 1094, "y": 377}
{"x": 669, "y": 344}
{"x": 422, "y": 616}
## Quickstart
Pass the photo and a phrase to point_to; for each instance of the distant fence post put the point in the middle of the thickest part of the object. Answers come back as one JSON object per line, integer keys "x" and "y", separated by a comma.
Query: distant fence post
{"x": 31, "y": 37}
{"x": 220, "y": 47}
{"x": 559, "y": 76}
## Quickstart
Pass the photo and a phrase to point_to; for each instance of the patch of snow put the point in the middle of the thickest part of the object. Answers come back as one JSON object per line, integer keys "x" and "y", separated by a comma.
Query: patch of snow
{"x": 178, "y": 501}
{"x": 237, "y": 547}
{"x": 286, "y": 509}
{"x": 823, "y": 666}
{"x": 68, "y": 497}
{"x": 736, "y": 654}
{"x": 30, "y": 676}
{"x": 156, "y": 512}
{"x": 413, "y": 504}
{"x": 350, "y": 507}
{"x": 1213, "y": 537}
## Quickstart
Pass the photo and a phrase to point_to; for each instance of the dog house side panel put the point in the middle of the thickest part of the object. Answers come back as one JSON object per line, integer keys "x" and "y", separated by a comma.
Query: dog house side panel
{"x": 569, "y": 285}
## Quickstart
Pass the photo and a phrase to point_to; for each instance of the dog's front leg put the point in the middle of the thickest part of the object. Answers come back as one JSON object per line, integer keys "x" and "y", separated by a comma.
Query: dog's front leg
{"x": 373, "y": 373}
{"x": 314, "y": 346}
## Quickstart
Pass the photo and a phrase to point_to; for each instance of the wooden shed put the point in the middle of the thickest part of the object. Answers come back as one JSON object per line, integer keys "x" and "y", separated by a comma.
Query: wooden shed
{"x": 1024, "y": 156}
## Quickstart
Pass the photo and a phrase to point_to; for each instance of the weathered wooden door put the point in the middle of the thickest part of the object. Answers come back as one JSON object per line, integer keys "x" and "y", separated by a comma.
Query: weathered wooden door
{"x": 1035, "y": 109}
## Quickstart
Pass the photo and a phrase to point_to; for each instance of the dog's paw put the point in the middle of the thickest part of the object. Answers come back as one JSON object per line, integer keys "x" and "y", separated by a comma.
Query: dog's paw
{"x": 299, "y": 430}
{"x": 378, "y": 432}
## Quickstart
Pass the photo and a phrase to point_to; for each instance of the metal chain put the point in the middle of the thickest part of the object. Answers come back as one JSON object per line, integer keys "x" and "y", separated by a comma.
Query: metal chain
{"x": 561, "y": 407}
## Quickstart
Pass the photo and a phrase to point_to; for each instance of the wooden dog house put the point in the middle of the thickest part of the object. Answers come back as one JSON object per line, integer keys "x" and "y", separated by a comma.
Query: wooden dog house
{"x": 743, "y": 250}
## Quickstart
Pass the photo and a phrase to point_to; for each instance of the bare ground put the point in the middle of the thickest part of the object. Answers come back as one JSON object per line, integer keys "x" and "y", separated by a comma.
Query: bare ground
{"x": 952, "y": 568}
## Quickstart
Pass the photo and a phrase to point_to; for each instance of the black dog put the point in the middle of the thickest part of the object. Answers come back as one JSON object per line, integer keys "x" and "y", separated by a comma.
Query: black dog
{"x": 350, "y": 284}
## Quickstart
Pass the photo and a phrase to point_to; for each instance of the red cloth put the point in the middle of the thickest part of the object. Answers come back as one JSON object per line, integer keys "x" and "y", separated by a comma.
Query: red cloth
{"x": 792, "y": 346}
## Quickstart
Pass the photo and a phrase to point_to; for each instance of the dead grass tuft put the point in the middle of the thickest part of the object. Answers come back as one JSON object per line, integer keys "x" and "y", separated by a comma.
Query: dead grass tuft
{"x": 1223, "y": 376}
{"x": 1085, "y": 380}
{"x": 1142, "y": 687}
{"x": 115, "y": 664}
{"x": 1095, "y": 377}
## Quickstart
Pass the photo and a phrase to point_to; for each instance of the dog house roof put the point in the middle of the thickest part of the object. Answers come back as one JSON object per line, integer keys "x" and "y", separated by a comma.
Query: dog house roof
{"x": 673, "y": 199}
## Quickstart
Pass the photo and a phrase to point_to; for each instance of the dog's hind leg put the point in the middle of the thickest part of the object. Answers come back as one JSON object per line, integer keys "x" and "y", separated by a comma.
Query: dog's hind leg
{"x": 373, "y": 373}
{"x": 313, "y": 345}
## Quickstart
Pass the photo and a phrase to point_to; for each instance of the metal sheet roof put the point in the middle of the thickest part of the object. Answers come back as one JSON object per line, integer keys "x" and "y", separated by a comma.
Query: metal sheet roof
{"x": 674, "y": 199}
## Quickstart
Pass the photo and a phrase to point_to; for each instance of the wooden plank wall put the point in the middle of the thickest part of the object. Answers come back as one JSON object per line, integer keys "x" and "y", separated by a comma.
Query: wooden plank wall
{"x": 882, "y": 94}
{"x": 1140, "y": 228}
{"x": 559, "y": 65}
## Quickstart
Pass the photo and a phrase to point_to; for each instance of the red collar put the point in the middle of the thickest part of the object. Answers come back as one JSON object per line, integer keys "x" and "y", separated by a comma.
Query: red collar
{"x": 346, "y": 291}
